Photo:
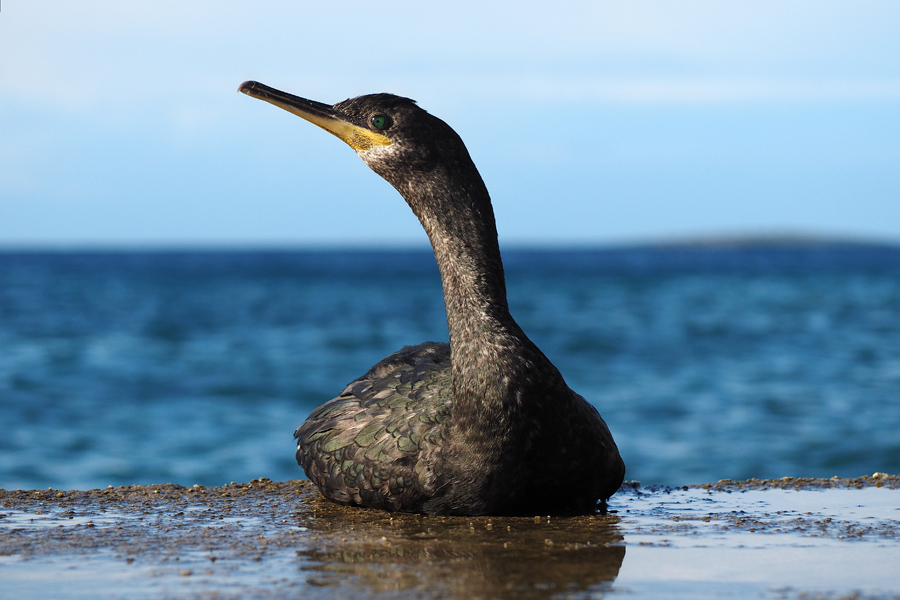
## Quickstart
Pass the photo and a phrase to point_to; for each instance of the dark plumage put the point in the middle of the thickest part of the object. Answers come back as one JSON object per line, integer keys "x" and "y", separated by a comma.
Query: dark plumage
{"x": 483, "y": 425}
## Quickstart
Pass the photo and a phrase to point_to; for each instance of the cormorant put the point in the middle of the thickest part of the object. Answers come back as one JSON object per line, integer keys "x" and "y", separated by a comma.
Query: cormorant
{"x": 482, "y": 425}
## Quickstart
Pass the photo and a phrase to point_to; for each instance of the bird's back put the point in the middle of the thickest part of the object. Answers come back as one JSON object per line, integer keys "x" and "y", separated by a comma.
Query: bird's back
{"x": 380, "y": 442}
{"x": 387, "y": 442}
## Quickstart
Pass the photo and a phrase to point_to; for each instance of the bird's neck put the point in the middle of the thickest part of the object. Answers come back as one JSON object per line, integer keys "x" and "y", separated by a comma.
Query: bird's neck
{"x": 491, "y": 356}
{"x": 474, "y": 294}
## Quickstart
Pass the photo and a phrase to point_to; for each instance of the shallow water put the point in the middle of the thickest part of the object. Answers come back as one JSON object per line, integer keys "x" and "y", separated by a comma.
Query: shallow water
{"x": 123, "y": 368}
{"x": 780, "y": 539}
{"x": 763, "y": 543}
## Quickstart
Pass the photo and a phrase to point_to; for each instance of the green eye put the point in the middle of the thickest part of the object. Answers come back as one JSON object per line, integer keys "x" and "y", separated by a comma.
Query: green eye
{"x": 380, "y": 122}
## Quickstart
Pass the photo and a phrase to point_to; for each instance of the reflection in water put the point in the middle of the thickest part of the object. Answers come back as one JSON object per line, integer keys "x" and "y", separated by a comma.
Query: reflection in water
{"x": 461, "y": 557}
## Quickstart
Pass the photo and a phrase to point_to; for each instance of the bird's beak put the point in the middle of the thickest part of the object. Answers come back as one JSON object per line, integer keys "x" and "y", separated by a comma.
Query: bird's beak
{"x": 359, "y": 138}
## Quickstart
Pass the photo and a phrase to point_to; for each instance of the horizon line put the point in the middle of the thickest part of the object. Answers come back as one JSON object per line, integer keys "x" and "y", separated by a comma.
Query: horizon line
{"x": 735, "y": 240}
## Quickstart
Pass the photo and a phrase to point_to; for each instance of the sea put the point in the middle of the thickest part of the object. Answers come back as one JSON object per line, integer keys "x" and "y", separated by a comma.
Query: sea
{"x": 708, "y": 361}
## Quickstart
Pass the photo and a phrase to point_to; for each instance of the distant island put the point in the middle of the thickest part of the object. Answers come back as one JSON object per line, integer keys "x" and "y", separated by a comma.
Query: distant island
{"x": 773, "y": 240}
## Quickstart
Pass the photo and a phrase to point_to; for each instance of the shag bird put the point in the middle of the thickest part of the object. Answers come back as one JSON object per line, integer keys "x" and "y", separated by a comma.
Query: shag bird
{"x": 482, "y": 425}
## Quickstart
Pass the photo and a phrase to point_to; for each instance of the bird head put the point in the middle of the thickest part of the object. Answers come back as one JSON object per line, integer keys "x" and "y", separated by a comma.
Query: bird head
{"x": 417, "y": 153}
{"x": 390, "y": 133}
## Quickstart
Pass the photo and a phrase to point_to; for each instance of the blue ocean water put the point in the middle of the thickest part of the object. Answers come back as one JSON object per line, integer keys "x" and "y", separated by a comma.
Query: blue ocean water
{"x": 195, "y": 367}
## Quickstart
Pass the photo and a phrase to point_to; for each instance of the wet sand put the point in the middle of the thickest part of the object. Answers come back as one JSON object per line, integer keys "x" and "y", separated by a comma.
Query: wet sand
{"x": 786, "y": 538}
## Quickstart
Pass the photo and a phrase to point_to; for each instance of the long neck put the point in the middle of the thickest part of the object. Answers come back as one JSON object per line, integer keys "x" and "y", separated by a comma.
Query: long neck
{"x": 491, "y": 357}
{"x": 474, "y": 287}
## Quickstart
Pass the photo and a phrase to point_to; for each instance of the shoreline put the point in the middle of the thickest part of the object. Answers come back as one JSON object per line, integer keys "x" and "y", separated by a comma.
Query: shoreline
{"x": 265, "y": 539}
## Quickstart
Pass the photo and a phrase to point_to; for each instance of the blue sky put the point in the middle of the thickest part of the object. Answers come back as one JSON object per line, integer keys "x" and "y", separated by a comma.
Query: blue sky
{"x": 591, "y": 122}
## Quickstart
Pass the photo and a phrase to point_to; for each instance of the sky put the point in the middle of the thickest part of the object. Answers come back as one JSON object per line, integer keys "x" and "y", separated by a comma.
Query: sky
{"x": 592, "y": 122}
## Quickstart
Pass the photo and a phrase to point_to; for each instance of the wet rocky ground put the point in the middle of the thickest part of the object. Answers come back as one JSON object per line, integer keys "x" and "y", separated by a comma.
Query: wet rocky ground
{"x": 786, "y": 538}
